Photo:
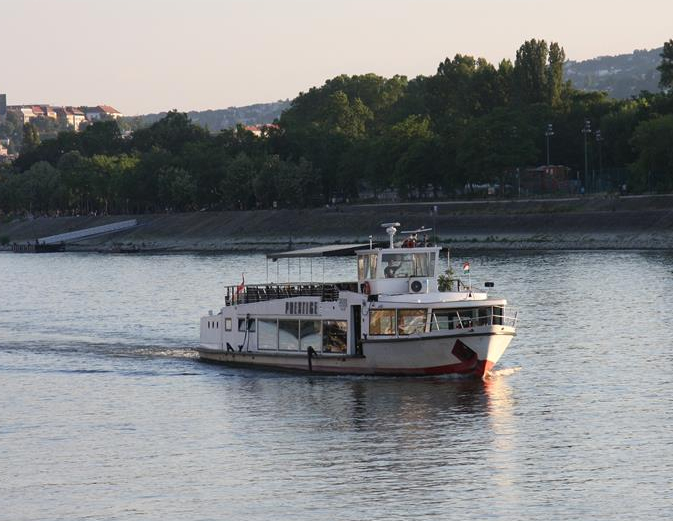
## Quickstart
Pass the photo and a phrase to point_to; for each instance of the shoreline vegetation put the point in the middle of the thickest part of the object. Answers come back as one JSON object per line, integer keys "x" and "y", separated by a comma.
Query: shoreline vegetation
{"x": 594, "y": 223}
{"x": 471, "y": 129}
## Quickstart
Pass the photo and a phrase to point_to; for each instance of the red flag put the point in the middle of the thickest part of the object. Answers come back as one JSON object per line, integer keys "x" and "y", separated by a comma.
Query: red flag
{"x": 241, "y": 286}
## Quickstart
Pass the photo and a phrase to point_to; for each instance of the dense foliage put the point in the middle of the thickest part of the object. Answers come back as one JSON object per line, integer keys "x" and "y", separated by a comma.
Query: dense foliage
{"x": 472, "y": 122}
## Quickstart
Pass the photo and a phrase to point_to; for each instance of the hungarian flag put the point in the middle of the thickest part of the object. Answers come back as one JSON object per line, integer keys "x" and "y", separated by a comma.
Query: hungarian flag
{"x": 241, "y": 286}
{"x": 466, "y": 267}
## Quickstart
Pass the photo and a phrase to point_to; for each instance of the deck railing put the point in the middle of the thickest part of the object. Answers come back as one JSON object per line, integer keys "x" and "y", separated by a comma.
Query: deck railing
{"x": 250, "y": 293}
{"x": 464, "y": 320}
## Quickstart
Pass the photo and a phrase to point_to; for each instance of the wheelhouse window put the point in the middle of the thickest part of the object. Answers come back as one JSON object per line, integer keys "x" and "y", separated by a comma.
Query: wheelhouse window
{"x": 382, "y": 322}
{"x": 288, "y": 335}
{"x": 411, "y": 321}
{"x": 227, "y": 324}
{"x": 404, "y": 265}
{"x": 335, "y": 334}
{"x": 310, "y": 335}
{"x": 367, "y": 266}
{"x": 267, "y": 336}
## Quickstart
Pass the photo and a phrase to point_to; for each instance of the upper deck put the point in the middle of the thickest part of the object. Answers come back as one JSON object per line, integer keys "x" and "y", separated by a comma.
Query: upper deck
{"x": 252, "y": 293}
{"x": 408, "y": 270}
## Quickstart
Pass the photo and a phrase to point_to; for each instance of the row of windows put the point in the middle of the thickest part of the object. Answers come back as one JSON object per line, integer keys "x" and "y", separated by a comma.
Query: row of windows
{"x": 212, "y": 324}
{"x": 414, "y": 321}
{"x": 328, "y": 336}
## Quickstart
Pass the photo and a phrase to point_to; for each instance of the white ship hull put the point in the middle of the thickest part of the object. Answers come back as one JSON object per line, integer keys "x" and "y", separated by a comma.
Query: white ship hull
{"x": 471, "y": 354}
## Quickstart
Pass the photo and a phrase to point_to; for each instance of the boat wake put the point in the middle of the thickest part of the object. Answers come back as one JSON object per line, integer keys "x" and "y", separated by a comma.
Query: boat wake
{"x": 507, "y": 371}
{"x": 102, "y": 349}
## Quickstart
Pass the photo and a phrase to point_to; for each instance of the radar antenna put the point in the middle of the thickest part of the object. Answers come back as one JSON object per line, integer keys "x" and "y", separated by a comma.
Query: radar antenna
{"x": 391, "y": 230}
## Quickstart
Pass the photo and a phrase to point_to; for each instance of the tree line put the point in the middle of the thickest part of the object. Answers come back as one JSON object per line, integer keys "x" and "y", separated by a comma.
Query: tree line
{"x": 471, "y": 122}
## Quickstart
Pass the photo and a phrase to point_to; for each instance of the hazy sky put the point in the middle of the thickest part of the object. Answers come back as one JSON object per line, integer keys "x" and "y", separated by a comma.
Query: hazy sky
{"x": 145, "y": 56}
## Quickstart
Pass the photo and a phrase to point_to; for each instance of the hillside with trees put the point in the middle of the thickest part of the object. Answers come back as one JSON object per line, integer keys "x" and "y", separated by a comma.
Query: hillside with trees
{"x": 622, "y": 76}
{"x": 216, "y": 120}
{"x": 470, "y": 123}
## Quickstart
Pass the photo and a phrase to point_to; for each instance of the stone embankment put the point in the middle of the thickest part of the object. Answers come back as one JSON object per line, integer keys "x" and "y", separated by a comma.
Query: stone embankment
{"x": 636, "y": 222}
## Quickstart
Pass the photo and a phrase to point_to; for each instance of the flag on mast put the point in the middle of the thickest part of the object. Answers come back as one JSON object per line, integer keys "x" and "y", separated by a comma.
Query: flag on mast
{"x": 466, "y": 267}
{"x": 241, "y": 286}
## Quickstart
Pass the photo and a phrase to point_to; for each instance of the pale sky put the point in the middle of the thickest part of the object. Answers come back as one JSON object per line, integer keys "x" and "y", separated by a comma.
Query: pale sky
{"x": 144, "y": 56}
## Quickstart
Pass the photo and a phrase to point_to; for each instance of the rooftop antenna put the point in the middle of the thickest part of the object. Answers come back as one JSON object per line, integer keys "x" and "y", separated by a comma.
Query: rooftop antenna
{"x": 391, "y": 231}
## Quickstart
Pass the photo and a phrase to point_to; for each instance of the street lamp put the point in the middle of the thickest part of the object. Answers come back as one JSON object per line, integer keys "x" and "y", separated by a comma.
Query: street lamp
{"x": 599, "y": 140}
{"x": 586, "y": 131}
{"x": 548, "y": 133}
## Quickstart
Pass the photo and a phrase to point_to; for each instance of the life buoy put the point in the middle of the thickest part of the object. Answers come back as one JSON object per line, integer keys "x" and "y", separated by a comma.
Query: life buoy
{"x": 366, "y": 288}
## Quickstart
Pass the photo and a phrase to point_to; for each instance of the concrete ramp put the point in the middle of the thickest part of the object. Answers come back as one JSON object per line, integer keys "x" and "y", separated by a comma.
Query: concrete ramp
{"x": 89, "y": 233}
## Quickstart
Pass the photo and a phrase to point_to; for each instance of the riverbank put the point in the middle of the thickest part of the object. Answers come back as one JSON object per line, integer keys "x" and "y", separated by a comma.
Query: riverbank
{"x": 636, "y": 222}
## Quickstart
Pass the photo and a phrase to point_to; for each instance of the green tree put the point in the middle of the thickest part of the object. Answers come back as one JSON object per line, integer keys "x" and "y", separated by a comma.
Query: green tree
{"x": 76, "y": 173}
{"x": 666, "y": 67}
{"x": 557, "y": 58}
{"x": 653, "y": 142}
{"x": 177, "y": 189}
{"x": 31, "y": 138}
{"x": 530, "y": 71}
{"x": 494, "y": 145}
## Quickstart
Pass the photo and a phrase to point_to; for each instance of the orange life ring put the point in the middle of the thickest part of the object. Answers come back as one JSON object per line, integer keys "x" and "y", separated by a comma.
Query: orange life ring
{"x": 366, "y": 288}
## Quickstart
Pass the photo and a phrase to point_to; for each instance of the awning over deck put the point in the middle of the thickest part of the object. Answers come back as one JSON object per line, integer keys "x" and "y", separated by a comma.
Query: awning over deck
{"x": 333, "y": 250}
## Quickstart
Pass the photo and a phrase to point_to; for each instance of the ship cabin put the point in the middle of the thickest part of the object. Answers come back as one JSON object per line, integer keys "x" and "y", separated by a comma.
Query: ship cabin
{"x": 397, "y": 271}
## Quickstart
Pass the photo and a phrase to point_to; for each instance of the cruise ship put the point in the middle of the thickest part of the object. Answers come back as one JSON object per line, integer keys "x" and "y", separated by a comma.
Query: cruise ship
{"x": 403, "y": 316}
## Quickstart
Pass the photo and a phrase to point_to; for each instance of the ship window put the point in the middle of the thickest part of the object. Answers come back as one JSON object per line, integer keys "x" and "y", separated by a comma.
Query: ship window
{"x": 251, "y": 324}
{"x": 227, "y": 324}
{"x": 372, "y": 266}
{"x": 288, "y": 335}
{"x": 443, "y": 319}
{"x": 484, "y": 315}
{"x": 334, "y": 336}
{"x": 411, "y": 321}
{"x": 382, "y": 322}
{"x": 268, "y": 334}
{"x": 309, "y": 333}
{"x": 498, "y": 314}
{"x": 363, "y": 266}
{"x": 403, "y": 265}
{"x": 367, "y": 266}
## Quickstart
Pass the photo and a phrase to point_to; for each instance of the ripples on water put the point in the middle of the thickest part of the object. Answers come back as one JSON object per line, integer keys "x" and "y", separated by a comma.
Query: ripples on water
{"x": 106, "y": 414}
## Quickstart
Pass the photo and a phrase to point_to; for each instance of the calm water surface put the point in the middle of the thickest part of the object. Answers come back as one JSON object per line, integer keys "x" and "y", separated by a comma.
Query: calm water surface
{"x": 105, "y": 413}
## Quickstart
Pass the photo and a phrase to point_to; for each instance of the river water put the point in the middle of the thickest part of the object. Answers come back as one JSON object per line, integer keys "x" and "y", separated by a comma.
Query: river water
{"x": 106, "y": 414}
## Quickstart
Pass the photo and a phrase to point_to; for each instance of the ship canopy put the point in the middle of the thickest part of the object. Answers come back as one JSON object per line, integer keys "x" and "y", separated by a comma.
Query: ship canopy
{"x": 333, "y": 250}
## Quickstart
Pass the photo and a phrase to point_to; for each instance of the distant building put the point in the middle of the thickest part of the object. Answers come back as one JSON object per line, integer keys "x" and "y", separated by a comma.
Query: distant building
{"x": 47, "y": 111}
{"x": 258, "y": 130}
{"x": 26, "y": 114}
{"x": 71, "y": 115}
{"x": 547, "y": 179}
{"x": 101, "y": 112}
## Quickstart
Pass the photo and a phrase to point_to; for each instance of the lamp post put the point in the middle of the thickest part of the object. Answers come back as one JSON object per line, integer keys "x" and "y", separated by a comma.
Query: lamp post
{"x": 548, "y": 133}
{"x": 586, "y": 131}
{"x": 599, "y": 140}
